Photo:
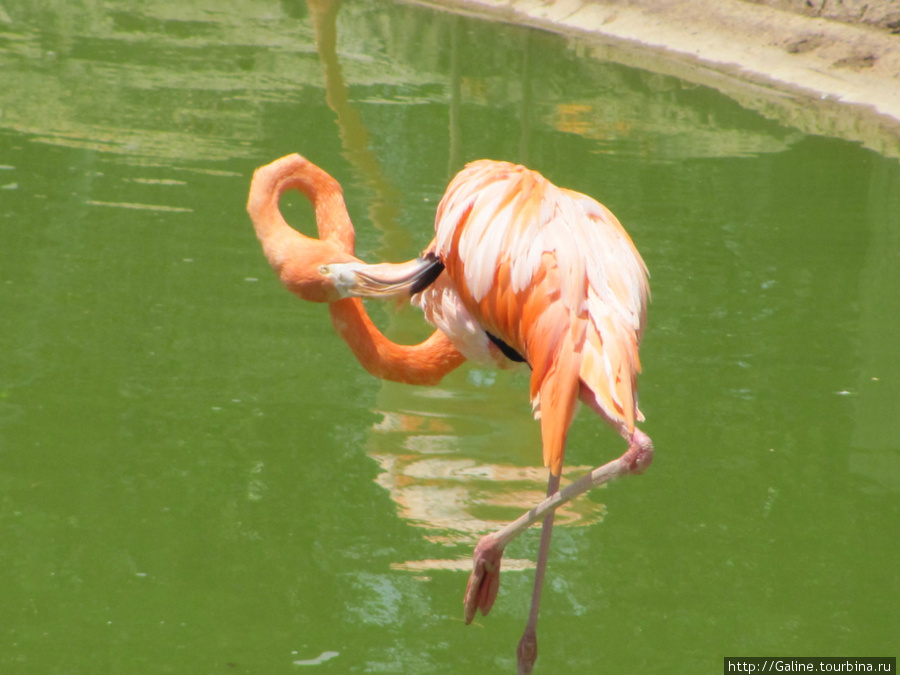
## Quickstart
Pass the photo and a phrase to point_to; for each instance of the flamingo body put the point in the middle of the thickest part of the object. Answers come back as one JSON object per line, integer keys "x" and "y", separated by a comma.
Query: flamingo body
{"x": 552, "y": 274}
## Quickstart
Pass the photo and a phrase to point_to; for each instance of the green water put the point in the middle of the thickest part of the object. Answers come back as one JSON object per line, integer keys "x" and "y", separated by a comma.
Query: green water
{"x": 197, "y": 477}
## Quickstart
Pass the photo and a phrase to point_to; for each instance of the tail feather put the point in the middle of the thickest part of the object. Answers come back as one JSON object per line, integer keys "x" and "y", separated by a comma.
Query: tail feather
{"x": 609, "y": 369}
{"x": 558, "y": 398}
{"x": 555, "y": 382}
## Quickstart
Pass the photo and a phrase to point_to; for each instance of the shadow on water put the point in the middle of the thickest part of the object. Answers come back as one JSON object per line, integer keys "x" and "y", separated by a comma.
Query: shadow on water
{"x": 195, "y": 476}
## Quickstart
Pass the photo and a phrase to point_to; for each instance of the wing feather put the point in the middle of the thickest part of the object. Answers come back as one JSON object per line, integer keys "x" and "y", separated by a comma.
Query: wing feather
{"x": 445, "y": 310}
{"x": 553, "y": 274}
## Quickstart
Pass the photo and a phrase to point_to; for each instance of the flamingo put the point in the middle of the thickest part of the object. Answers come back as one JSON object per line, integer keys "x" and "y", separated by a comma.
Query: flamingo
{"x": 519, "y": 271}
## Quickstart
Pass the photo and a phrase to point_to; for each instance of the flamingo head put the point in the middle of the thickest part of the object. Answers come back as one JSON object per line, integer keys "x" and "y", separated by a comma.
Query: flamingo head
{"x": 303, "y": 264}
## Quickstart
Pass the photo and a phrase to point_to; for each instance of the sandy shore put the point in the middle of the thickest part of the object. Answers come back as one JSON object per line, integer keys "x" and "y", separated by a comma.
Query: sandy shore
{"x": 819, "y": 75}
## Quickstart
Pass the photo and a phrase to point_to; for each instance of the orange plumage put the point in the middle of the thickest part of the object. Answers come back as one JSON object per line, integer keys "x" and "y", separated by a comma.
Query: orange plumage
{"x": 519, "y": 270}
{"x": 551, "y": 273}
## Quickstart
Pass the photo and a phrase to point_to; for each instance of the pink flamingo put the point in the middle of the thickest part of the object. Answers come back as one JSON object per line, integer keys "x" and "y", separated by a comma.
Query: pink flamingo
{"x": 519, "y": 271}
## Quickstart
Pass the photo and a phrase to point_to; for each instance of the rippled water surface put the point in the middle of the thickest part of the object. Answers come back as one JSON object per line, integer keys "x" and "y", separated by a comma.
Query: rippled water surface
{"x": 197, "y": 477}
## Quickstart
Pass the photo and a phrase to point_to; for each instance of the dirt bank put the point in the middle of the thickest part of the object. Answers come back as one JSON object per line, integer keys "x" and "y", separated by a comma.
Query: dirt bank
{"x": 883, "y": 14}
{"x": 825, "y": 67}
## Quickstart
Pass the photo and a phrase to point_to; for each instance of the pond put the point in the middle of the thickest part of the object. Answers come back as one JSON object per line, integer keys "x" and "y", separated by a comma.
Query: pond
{"x": 197, "y": 477}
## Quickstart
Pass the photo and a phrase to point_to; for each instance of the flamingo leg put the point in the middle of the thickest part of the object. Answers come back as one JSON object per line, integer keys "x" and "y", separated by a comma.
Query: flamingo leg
{"x": 526, "y": 652}
{"x": 485, "y": 578}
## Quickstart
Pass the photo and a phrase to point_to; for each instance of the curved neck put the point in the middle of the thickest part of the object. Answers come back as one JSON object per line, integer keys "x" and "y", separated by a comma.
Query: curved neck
{"x": 296, "y": 172}
{"x": 296, "y": 258}
{"x": 425, "y": 363}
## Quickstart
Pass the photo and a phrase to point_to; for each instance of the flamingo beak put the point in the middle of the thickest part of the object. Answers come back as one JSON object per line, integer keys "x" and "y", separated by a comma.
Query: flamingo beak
{"x": 384, "y": 281}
